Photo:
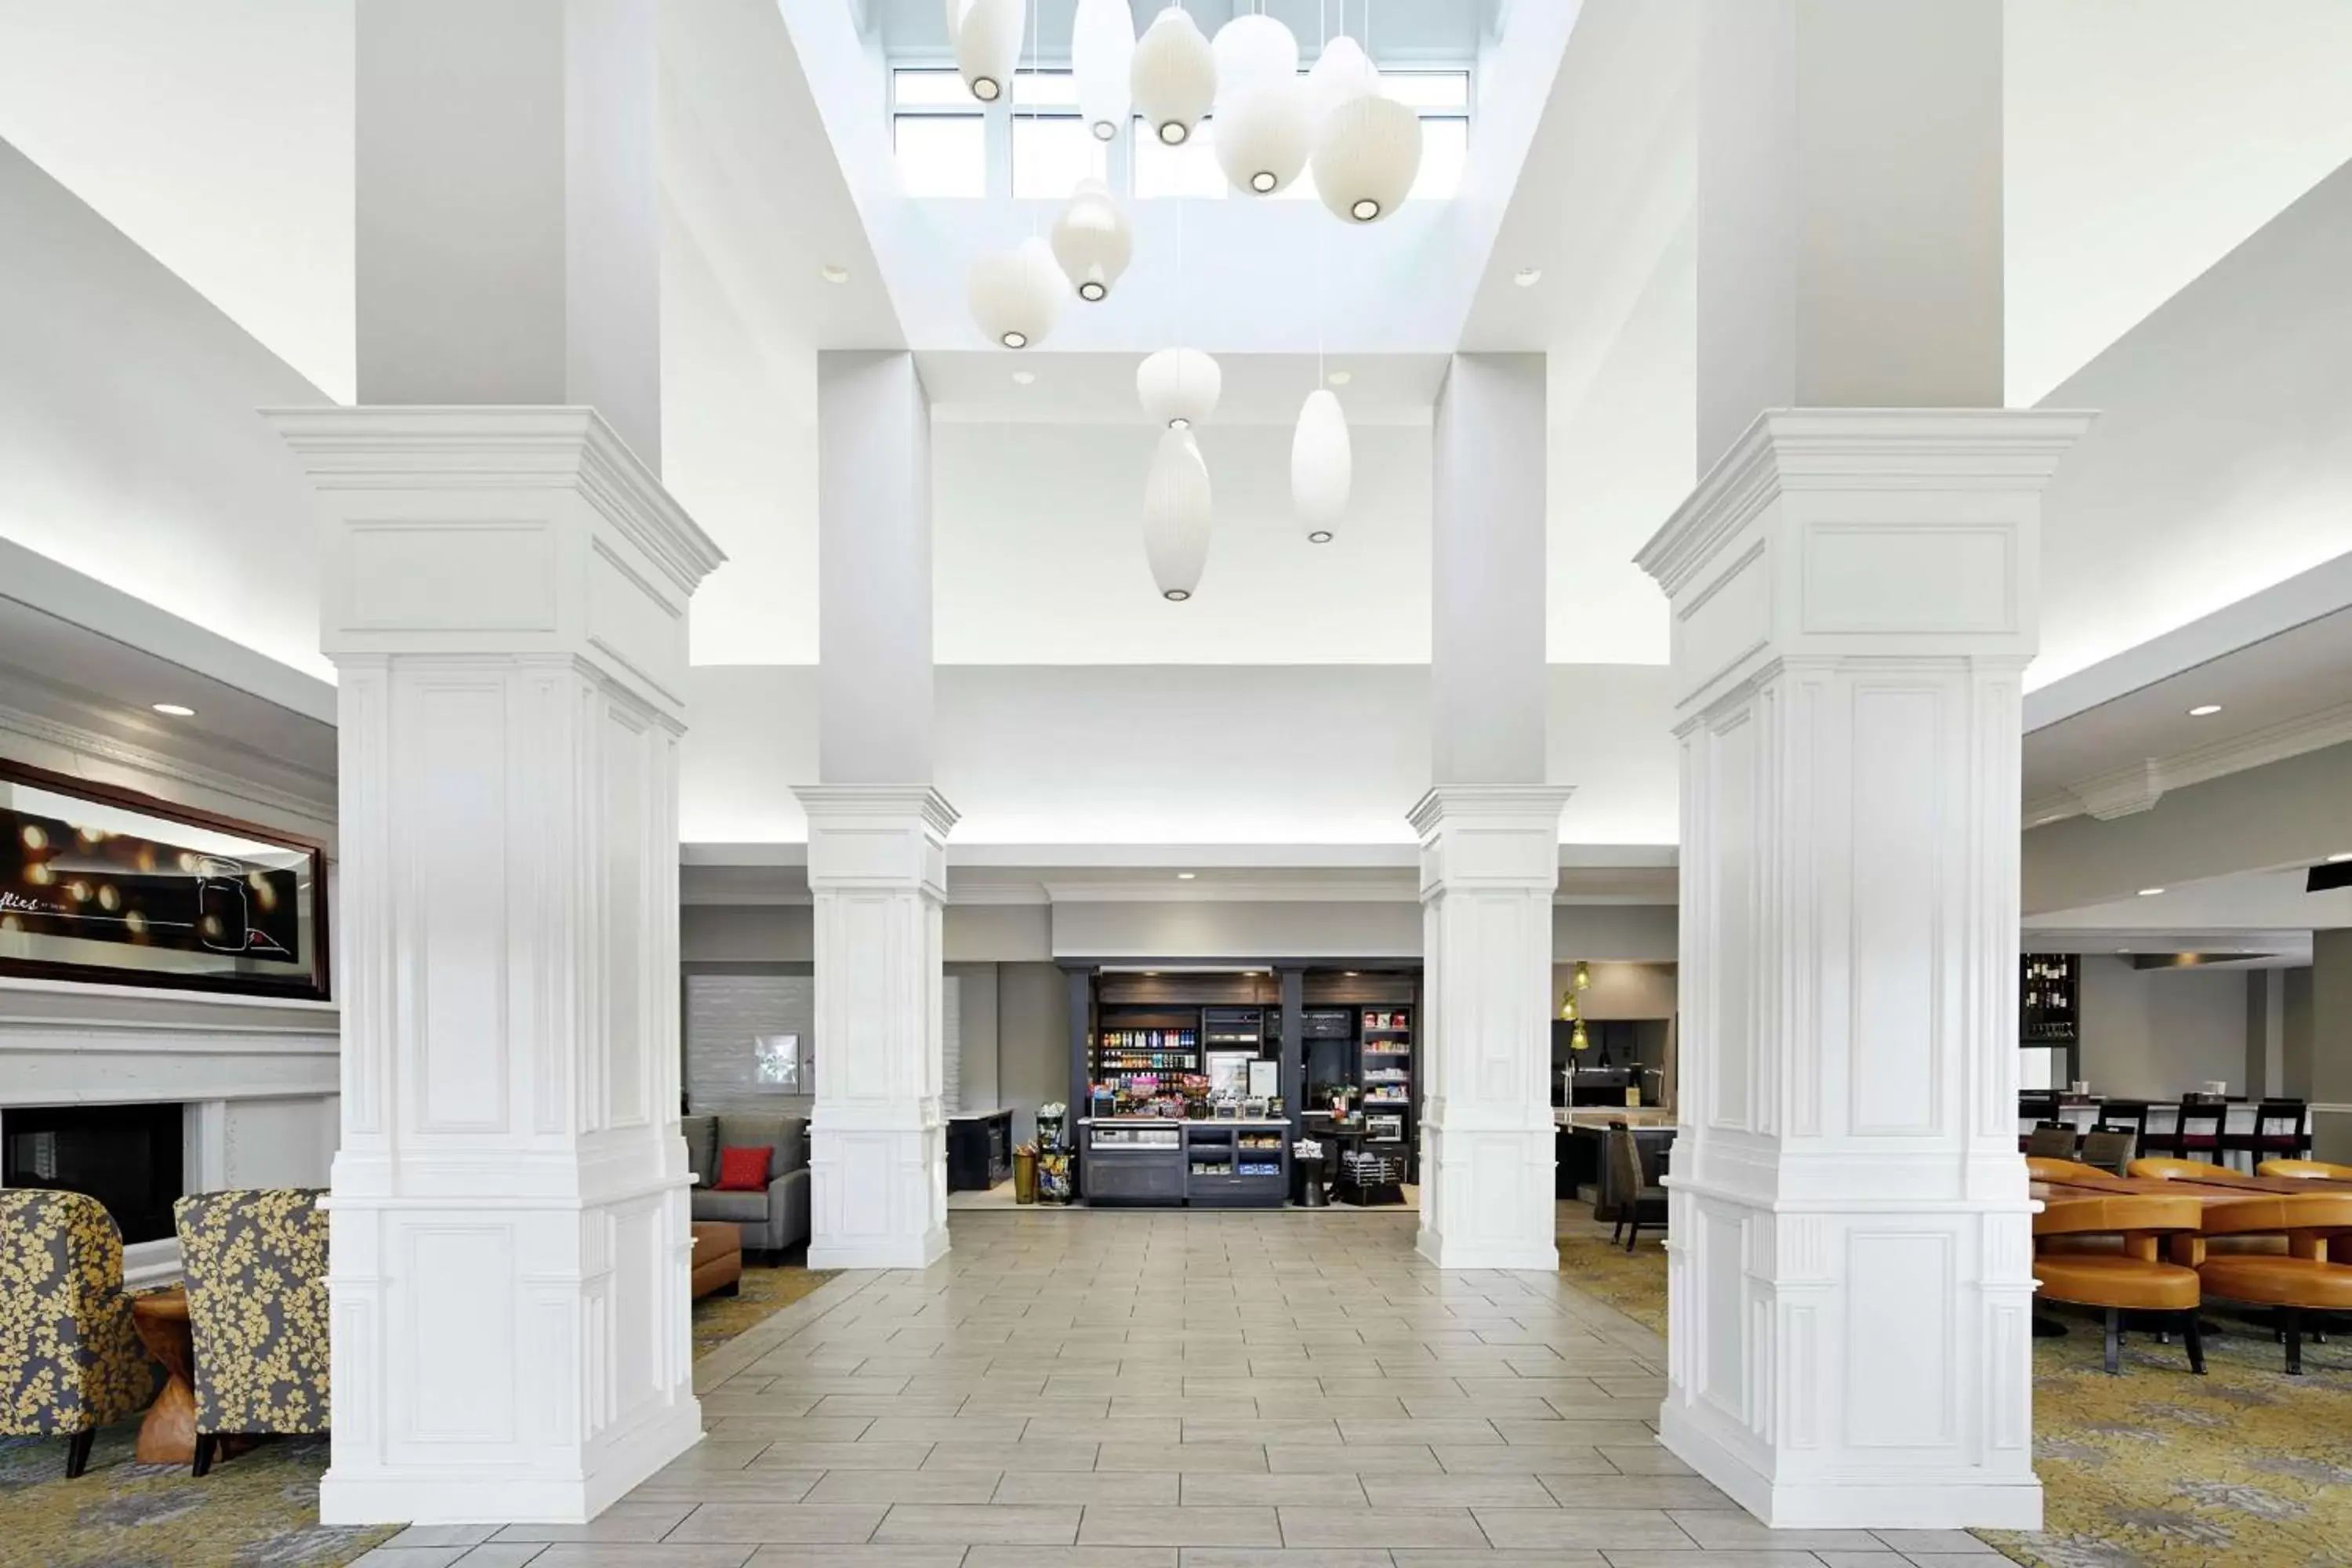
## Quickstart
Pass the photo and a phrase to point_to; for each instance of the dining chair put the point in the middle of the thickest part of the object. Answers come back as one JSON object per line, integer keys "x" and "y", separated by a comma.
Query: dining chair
{"x": 2052, "y": 1142}
{"x": 2197, "y": 1131}
{"x": 2277, "y": 1133}
{"x": 2134, "y": 1278}
{"x": 2108, "y": 1148}
{"x": 1637, "y": 1198}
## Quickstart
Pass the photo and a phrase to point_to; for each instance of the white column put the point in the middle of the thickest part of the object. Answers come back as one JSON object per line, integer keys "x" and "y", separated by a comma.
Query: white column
{"x": 1489, "y": 830}
{"x": 505, "y": 605}
{"x": 878, "y": 830}
{"x": 1853, "y": 600}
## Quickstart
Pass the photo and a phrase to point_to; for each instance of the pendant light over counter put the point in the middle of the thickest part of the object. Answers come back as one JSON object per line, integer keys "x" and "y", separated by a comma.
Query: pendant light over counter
{"x": 1173, "y": 76}
{"x": 1092, "y": 240}
{"x": 1176, "y": 516}
{"x": 987, "y": 38}
{"x": 1179, "y": 387}
{"x": 1367, "y": 153}
{"x": 1102, "y": 54}
{"x": 1322, "y": 466}
{"x": 1016, "y": 295}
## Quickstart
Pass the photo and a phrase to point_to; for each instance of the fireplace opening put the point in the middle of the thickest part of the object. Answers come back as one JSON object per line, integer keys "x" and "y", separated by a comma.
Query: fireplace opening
{"x": 128, "y": 1157}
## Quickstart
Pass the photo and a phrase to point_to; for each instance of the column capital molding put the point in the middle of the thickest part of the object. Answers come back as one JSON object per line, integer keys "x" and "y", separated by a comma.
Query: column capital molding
{"x": 1491, "y": 838}
{"x": 407, "y": 448}
{"x": 850, "y": 804}
{"x": 1837, "y": 534}
{"x": 1489, "y": 805}
{"x": 877, "y": 837}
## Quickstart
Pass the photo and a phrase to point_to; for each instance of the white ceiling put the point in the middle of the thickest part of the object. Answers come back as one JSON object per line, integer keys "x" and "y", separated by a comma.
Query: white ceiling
{"x": 1430, "y": 29}
{"x": 976, "y": 388}
{"x": 2262, "y": 912}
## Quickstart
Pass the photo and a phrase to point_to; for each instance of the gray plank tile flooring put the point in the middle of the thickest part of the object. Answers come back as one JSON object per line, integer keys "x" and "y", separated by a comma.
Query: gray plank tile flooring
{"x": 1069, "y": 1389}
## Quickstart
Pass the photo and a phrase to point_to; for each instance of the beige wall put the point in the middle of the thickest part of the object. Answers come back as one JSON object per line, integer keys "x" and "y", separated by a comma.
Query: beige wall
{"x": 1032, "y": 1041}
{"x": 2157, "y": 1033}
{"x": 1620, "y": 990}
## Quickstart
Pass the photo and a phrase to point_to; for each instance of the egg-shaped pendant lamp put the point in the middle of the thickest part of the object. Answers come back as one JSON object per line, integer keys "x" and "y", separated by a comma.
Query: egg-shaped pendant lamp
{"x": 987, "y": 38}
{"x": 1176, "y": 514}
{"x": 1263, "y": 138}
{"x": 1342, "y": 73}
{"x": 1322, "y": 466}
{"x": 1016, "y": 295}
{"x": 1179, "y": 387}
{"x": 1102, "y": 53}
{"x": 1092, "y": 240}
{"x": 1173, "y": 76}
{"x": 1366, "y": 156}
{"x": 1251, "y": 51}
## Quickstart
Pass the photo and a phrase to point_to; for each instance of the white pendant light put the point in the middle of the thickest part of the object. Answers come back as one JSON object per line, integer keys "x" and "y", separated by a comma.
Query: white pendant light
{"x": 1017, "y": 294}
{"x": 987, "y": 38}
{"x": 1102, "y": 52}
{"x": 1179, "y": 387}
{"x": 1322, "y": 465}
{"x": 1176, "y": 508}
{"x": 1092, "y": 240}
{"x": 1366, "y": 156}
{"x": 1174, "y": 75}
{"x": 1342, "y": 73}
{"x": 1263, "y": 138}
{"x": 1251, "y": 51}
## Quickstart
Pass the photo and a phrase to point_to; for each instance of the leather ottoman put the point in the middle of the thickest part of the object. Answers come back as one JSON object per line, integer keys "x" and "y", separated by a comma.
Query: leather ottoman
{"x": 718, "y": 1258}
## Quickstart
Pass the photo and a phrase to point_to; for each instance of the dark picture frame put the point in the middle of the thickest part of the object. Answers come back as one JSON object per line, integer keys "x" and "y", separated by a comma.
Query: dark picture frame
{"x": 122, "y": 903}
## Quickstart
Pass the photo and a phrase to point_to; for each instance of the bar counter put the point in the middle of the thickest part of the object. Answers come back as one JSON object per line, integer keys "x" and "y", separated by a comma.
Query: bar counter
{"x": 1199, "y": 1162}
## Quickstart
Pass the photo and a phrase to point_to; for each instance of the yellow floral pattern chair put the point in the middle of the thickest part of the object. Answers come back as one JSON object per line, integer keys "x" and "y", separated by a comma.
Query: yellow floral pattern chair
{"x": 257, "y": 1271}
{"x": 69, "y": 1360}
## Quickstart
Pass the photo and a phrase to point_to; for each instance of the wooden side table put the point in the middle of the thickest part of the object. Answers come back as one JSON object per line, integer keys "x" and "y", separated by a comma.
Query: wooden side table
{"x": 168, "y": 1436}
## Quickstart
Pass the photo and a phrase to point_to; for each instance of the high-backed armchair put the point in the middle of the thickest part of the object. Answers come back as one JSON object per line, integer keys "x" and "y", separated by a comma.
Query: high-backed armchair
{"x": 257, "y": 1269}
{"x": 69, "y": 1360}
{"x": 774, "y": 1219}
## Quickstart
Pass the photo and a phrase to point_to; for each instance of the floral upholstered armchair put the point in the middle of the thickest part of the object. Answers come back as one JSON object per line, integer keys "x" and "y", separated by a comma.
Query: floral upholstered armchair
{"x": 256, "y": 1270}
{"x": 69, "y": 1361}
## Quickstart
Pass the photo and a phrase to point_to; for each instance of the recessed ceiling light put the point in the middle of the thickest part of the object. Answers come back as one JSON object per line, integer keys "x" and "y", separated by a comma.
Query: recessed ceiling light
{"x": 1349, "y": 972}
{"x": 2046, "y": 821}
{"x": 2149, "y": 892}
{"x": 1023, "y": 377}
{"x": 1320, "y": 536}
{"x": 2339, "y": 859}
{"x": 174, "y": 709}
{"x": 836, "y": 273}
{"x": 1342, "y": 377}
{"x": 1186, "y": 876}
{"x": 2123, "y": 950}
{"x": 1528, "y": 277}
{"x": 2204, "y": 709}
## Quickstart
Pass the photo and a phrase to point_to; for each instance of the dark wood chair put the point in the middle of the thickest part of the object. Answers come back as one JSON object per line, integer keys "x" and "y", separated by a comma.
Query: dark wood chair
{"x": 2278, "y": 1132}
{"x": 2038, "y": 1106}
{"x": 1626, "y": 1191}
{"x": 2124, "y": 1116}
{"x": 2109, "y": 1148}
{"x": 2197, "y": 1134}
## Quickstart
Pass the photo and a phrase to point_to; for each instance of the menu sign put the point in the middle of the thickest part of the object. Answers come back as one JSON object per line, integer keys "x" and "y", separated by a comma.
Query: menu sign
{"x": 98, "y": 884}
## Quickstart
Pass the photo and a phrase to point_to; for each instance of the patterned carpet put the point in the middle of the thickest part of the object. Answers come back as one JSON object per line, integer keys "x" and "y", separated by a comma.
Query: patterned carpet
{"x": 2243, "y": 1468}
{"x": 260, "y": 1509}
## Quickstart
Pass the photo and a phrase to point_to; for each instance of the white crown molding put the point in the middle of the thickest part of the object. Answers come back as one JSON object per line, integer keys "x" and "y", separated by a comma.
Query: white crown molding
{"x": 1401, "y": 889}
{"x": 2123, "y": 790}
{"x": 833, "y": 803}
{"x": 1795, "y": 449}
{"x": 311, "y": 796}
{"x": 380, "y": 446}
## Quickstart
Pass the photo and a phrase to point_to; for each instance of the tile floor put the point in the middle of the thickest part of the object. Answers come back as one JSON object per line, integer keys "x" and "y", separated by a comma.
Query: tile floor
{"x": 1072, "y": 1389}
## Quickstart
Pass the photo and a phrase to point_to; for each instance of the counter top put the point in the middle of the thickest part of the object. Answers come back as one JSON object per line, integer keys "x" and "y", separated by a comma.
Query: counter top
{"x": 1184, "y": 1122}
{"x": 979, "y": 1115}
{"x": 1596, "y": 1118}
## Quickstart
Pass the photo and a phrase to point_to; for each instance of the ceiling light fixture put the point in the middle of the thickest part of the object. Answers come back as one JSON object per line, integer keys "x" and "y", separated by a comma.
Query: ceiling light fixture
{"x": 987, "y": 38}
{"x": 1179, "y": 387}
{"x": 1319, "y": 536}
{"x": 1023, "y": 377}
{"x": 2204, "y": 709}
{"x": 2149, "y": 892}
{"x": 1263, "y": 138}
{"x": 1367, "y": 153}
{"x": 1251, "y": 52}
{"x": 834, "y": 272}
{"x": 1176, "y": 514}
{"x": 2339, "y": 859}
{"x": 1016, "y": 295}
{"x": 1322, "y": 464}
{"x": 1092, "y": 240}
{"x": 1186, "y": 876}
{"x": 1528, "y": 277}
{"x": 1342, "y": 74}
{"x": 1342, "y": 377}
{"x": 1102, "y": 53}
{"x": 1173, "y": 76}
{"x": 174, "y": 709}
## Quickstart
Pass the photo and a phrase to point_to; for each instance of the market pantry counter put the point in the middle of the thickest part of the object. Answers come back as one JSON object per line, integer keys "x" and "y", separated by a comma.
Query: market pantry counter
{"x": 1214, "y": 1163}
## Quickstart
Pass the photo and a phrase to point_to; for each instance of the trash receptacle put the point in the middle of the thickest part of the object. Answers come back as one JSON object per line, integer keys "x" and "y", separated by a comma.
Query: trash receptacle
{"x": 1024, "y": 1173}
{"x": 1312, "y": 1194}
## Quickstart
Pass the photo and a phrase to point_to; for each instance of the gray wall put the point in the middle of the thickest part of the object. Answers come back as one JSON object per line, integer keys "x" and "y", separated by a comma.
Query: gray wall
{"x": 746, "y": 933}
{"x": 2298, "y": 1031}
{"x": 1033, "y": 1040}
{"x": 2157, "y": 1033}
{"x": 971, "y": 1007}
{"x": 2331, "y": 1042}
{"x": 724, "y": 1011}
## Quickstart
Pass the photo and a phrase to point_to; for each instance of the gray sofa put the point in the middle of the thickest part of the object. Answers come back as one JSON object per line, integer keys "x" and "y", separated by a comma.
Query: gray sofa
{"x": 772, "y": 1220}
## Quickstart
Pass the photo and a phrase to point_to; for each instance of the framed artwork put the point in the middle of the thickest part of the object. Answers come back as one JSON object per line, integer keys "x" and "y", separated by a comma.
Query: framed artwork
{"x": 108, "y": 885}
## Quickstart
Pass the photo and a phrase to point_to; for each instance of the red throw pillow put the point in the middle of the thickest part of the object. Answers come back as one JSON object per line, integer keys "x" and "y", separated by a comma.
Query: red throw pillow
{"x": 742, "y": 1170}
